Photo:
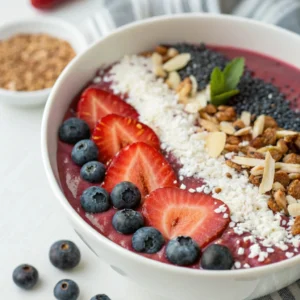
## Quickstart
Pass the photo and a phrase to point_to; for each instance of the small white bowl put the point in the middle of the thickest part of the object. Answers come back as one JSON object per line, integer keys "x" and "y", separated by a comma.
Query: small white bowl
{"x": 51, "y": 26}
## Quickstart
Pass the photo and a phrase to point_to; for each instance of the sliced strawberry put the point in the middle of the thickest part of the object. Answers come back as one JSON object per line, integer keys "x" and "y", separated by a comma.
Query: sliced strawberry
{"x": 176, "y": 212}
{"x": 142, "y": 165}
{"x": 95, "y": 104}
{"x": 113, "y": 132}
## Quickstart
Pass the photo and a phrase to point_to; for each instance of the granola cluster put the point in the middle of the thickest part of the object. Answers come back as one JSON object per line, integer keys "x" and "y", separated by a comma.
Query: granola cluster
{"x": 30, "y": 62}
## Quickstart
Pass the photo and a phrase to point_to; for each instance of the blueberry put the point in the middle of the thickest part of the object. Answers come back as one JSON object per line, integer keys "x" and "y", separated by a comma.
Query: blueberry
{"x": 25, "y": 276}
{"x": 66, "y": 289}
{"x": 95, "y": 200}
{"x": 182, "y": 251}
{"x": 64, "y": 255}
{"x": 125, "y": 195}
{"x": 84, "y": 151}
{"x": 147, "y": 240}
{"x": 127, "y": 221}
{"x": 217, "y": 257}
{"x": 100, "y": 297}
{"x": 93, "y": 171}
{"x": 73, "y": 130}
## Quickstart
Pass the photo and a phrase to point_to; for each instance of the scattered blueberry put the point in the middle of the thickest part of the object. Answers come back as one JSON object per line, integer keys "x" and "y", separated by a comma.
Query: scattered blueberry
{"x": 147, "y": 240}
{"x": 73, "y": 130}
{"x": 66, "y": 289}
{"x": 25, "y": 276}
{"x": 125, "y": 195}
{"x": 100, "y": 297}
{"x": 64, "y": 255}
{"x": 84, "y": 151}
{"x": 217, "y": 257}
{"x": 127, "y": 221}
{"x": 93, "y": 171}
{"x": 182, "y": 251}
{"x": 95, "y": 199}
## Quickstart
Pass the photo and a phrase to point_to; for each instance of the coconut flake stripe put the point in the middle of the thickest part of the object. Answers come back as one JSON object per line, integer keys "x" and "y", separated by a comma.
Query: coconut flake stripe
{"x": 159, "y": 109}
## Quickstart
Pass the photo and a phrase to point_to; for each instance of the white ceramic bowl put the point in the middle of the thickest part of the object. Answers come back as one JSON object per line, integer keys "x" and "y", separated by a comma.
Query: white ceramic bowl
{"x": 51, "y": 26}
{"x": 170, "y": 281}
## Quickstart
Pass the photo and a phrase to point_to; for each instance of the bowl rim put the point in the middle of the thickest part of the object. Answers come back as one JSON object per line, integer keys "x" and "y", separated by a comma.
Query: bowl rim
{"x": 88, "y": 229}
{"x": 47, "y": 21}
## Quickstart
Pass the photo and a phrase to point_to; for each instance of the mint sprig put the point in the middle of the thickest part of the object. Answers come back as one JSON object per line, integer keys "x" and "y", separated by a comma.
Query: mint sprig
{"x": 223, "y": 84}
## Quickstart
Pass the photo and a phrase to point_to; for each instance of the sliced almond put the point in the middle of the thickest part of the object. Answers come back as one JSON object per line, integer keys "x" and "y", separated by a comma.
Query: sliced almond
{"x": 173, "y": 80}
{"x": 290, "y": 199}
{"x": 247, "y": 161}
{"x": 159, "y": 71}
{"x": 268, "y": 175}
{"x": 258, "y": 127}
{"x": 156, "y": 58}
{"x": 289, "y": 168}
{"x": 194, "y": 85}
{"x": 267, "y": 148}
{"x": 209, "y": 126}
{"x": 215, "y": 143}
{"x": 243, "y": 131}
{"x": 227, "y": 127}
{"x": 258, "y": 170}
{"x": 246, "y": 118}
{"x": 284, "y": 133}
{"x": 201, "y": 97}
{"x": 172, "y": 52}
{"x": 294, "y": 176}
{"x": 178, "y": 62}
{"x": 294, "y": 209}
{"x": 277, "y": 186}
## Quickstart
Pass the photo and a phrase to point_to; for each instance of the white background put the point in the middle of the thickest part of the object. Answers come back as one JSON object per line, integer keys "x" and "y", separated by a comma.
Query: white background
{"x": 30, "y": 216}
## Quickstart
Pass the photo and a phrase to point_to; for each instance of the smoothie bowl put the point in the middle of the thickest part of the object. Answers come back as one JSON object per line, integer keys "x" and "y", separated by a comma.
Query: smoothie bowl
{"x": 173, "y": 146}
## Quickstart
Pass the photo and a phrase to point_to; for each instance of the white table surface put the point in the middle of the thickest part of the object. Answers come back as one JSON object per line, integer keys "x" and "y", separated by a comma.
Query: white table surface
{"x": 30, "y": 216}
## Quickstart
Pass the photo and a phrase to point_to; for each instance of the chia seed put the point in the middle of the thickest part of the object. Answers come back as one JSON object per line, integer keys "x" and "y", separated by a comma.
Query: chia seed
{"x": 256, "y": 95}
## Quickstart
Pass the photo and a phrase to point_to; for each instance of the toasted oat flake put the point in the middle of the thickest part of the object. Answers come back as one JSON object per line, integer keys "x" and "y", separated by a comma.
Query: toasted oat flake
{"x": 215, "y": 143}
{"x": 246, "y": 118}
{"x": 227, "y": 127}
{"x": 257, "y": 170}
{"x": 178, "y": 62}
{"x": 268, "y": 175}
{"x": 258, "y": 127}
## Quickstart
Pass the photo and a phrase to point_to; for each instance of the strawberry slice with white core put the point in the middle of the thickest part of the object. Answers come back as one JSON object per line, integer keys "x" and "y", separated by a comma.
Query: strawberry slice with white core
{"x": 175, "y": 212}
{"x": 142, "y": 165}
{"x": 95, "y": 104}
{"x": 113, "y": 132}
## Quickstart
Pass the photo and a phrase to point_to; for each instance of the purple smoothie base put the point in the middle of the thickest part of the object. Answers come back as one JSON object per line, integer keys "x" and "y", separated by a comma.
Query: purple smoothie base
{"x": 282, "y": 75}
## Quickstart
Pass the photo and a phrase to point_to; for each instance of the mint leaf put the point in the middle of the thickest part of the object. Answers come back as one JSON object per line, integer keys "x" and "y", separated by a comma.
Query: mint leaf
{"x": 217, "y": 82}
{"x": 233, "y": 72}
{"x": 222, "y": 98}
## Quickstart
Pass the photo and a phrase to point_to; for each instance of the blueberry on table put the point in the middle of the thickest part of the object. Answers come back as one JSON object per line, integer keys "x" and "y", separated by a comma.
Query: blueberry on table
{"x": 84, "y": 151}
{"x": 73, "y": 130}
{"x": 125, "y": 195}
{"x": 66, "y": 289}
{"x": 93, "y": 171}
{"x": 25, "y": 276}
{"x": 147, "y": 240}
{"x": 95, "y": 200}
{"x": 182, "y": 251}
{"x": 216, "y": 257}
{"x": 127, "y": 221}
{"x": 100, "y": 297}
{"x": 64, "y": 255}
